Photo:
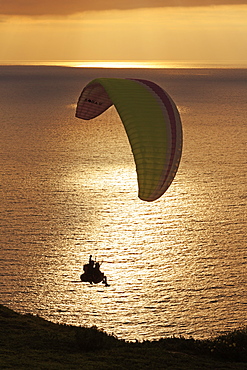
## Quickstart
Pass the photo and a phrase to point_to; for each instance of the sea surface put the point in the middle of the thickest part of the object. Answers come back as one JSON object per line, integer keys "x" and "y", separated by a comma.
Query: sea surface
{"x": 68, "y": 189}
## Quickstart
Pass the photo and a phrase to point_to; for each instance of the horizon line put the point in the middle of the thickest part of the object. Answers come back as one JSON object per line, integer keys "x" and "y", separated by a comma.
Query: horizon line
{"x": 151, "y": 64}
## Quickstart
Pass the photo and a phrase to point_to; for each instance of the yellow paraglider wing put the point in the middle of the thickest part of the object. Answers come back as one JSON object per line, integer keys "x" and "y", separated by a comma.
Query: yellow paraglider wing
{"x": 151, "y": 121}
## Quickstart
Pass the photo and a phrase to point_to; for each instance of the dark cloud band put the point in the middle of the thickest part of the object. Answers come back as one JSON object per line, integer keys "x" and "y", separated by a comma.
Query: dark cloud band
{"x": 65, "y": 7}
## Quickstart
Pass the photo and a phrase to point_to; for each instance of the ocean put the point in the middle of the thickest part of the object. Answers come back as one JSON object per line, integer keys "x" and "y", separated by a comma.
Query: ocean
{"x": 176, "y": 266}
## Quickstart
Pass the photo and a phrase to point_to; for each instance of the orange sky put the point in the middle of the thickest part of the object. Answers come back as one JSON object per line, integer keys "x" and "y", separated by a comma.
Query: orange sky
{"x": 123, "y": 30}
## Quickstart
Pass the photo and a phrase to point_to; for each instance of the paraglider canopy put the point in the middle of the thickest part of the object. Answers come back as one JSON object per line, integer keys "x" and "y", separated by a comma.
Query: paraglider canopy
{"x": 152, "y": 124}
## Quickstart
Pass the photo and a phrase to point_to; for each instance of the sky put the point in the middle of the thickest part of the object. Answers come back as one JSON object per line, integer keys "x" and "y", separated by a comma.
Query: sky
{"x": 123, "y": 30}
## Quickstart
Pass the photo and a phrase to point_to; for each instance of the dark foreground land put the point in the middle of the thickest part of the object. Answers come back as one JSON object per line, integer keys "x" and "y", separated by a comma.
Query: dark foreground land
{"x": 29, "y": 342}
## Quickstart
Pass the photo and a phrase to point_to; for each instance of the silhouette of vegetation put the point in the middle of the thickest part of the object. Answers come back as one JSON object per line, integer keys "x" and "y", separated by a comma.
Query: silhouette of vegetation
{"x": 30, "y": 342}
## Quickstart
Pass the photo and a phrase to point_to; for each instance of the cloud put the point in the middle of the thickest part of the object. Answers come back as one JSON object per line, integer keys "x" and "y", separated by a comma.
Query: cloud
{"x": 68, "y": 7}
